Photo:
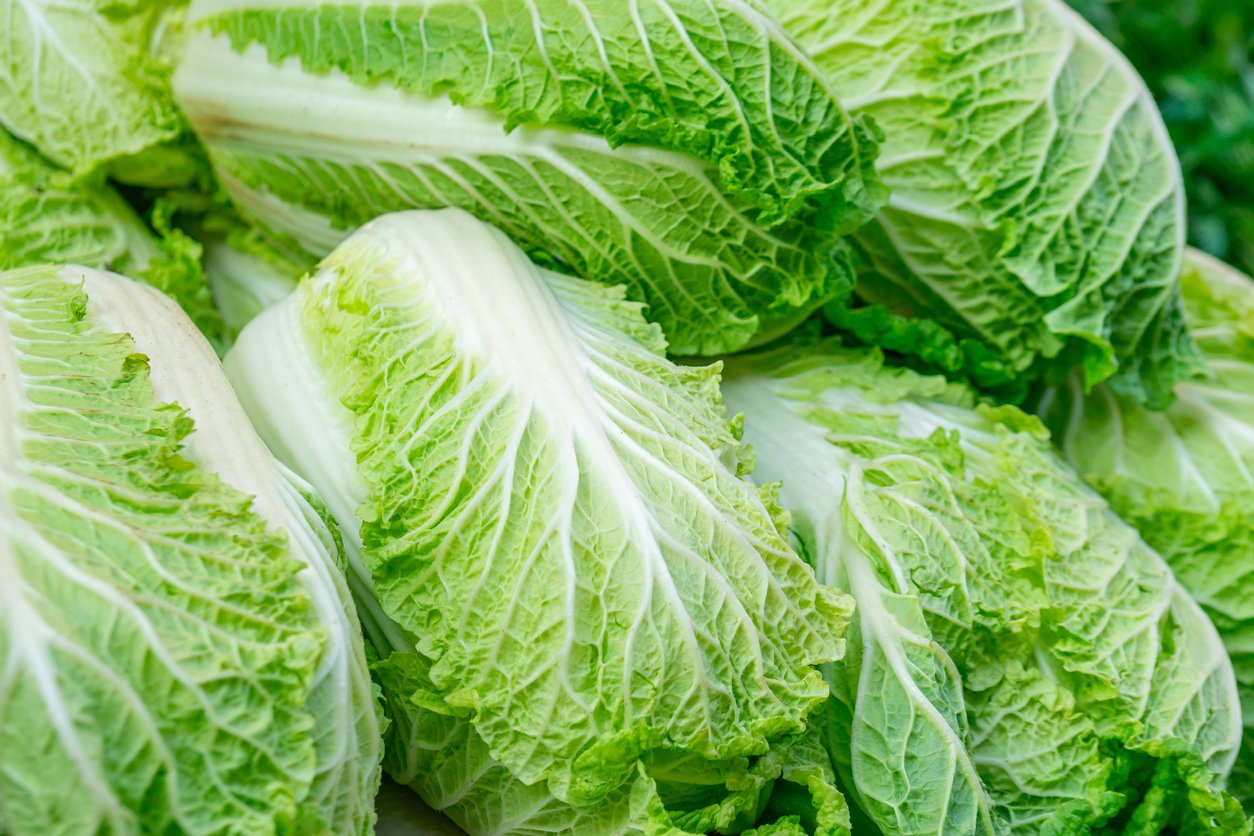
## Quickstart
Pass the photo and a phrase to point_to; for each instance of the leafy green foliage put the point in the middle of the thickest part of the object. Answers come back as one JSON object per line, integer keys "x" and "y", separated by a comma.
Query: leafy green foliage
{"x": 1197, "y": 57}
{"x": 550, "y": 515}
{"x": 47, "y": 216}
{"x": 689, "y": 151}
{"x": 342, "y": 702}
{"x": 1185, "y": 477}
{"x": 1018, "y": 658}
{"x": 156, "y": 647}
{"x": 498, "y": 544}
{"x": 1036, "y": 222}
{"x": 86, "y": 83}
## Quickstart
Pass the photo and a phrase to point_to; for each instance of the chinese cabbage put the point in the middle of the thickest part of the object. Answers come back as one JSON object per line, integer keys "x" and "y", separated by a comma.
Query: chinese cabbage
{"x": 545, "y": 512}
{"x": 1018, "y": 657}
{"x": 686, "y": 150}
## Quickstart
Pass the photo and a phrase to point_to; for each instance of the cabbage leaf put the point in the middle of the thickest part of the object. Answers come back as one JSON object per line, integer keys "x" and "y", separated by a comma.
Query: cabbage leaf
{"x": 49, "y": 216}
{"x": 1037, "y": 210}
{"x": 87, "y": 84}
{"x": 686, "y": 150}
{"x": 342, "y": 701}
{"x": 1185, "y": 477}
{"x": 1019, "y": 657}
{"x": 156, "y": 648}
{"x": 545, "y": 516}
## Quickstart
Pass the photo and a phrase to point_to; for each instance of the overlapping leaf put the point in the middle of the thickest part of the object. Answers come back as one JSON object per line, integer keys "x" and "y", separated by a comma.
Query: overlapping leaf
{"x": 155, "y": 645}
{"x": 686, "y": 150}
{"x": 1020, "y": 658}
{"x": 1037, "y": 211}
{"x": 546, "y": 504}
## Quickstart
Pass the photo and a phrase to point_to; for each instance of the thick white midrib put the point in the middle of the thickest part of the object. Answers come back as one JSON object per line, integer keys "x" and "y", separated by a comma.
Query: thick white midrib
{"x": 27, "y": 631}
{"x": 765, "y": 26}
{"x": 185, "y": 370}
{"x": 262, "y": 98}
{"x": 579, "y": 425}
{"x": 795, "y": 453}
{"x": 271, "y": 371}
{"x": 370, "y": 125}
{"x": 540, "y": 337}
{"x": 455, "y": 149}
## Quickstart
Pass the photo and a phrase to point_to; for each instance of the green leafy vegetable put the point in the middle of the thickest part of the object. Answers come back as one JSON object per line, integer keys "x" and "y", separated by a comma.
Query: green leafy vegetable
{"x": 156, "y": 648}
{"x": 687, "y": 150}
{"x": 1019, "y": 657}
{"x": 87, "y": 83}
{"x": 47, "y": 216}
{"x": 549, "y": 514}
{"x": 1037, "y": 211}
{"x": 1185, "y": 477}
{"x": 1198, "y": 60}
{"x": 442, "y": 757}
{"x": 346, "y": 730}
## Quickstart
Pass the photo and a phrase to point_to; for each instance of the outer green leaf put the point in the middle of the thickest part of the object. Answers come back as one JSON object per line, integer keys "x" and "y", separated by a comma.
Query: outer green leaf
{"x": 1019, "y": 657}
{"x": 448, "y": 764}
{"x": 442, "y": 758}
{"x": 687, "y": 150}
{"x": 1037, "y": 209}
{"x": 156, "y": 650}
{"x": 84, "y": 81}
{"x": 1185, "y": 477}
{"x": 546, "y": 503}
{"x": 346, "y": 715}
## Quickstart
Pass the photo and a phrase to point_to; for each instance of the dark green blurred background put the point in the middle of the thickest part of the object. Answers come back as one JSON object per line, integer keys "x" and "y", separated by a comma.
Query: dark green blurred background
{"x": 1198, "y": 58}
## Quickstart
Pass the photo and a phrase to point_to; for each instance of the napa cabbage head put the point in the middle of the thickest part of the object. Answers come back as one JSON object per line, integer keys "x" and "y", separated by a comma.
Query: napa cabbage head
{"x": 346, "y": 715}
{"x": 175, "y": 653}
{"x": 1185, "y": 477}
{"x": 1036, "y": 223}
{"x": 549, "y": 519}
{"x": 687, "y": 150}
{"x": 1019, "y": 658}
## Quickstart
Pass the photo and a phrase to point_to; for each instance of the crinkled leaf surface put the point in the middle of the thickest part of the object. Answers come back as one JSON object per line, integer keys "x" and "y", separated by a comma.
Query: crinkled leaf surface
{"x": 1037, "y": 209}
{"x": 84, "y": 81}
{"x": 1019, "y": 657}
{"x": 548, "y": 506}
{"x": 687, "y": 150}
{"x": 156, "y": 649}
{"x": 792, "y": 788}
{"x": 1185, "y": 476}
{"x": 48, "y": 216}
{"x": 342, "y": 701}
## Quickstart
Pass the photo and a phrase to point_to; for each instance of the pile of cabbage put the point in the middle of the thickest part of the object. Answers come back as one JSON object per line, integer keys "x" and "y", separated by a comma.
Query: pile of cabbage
{"x": 767, "y": 417}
